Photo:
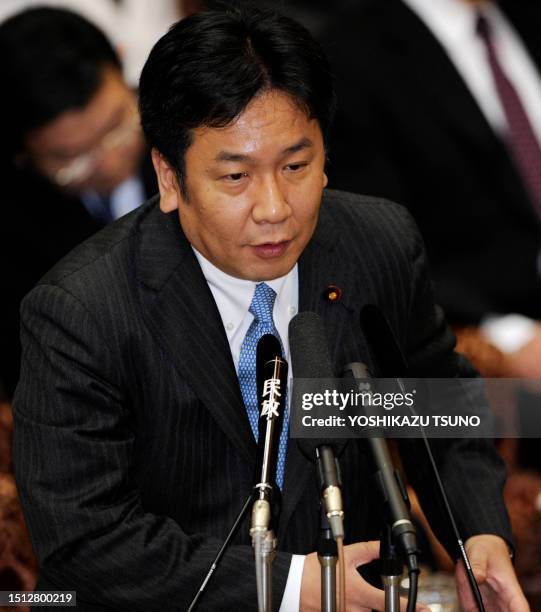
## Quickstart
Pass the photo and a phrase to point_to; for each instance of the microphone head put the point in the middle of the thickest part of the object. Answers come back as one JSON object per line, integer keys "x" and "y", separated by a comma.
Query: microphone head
{"x": 308, "y": 347}
{"x": 310, "y": 359}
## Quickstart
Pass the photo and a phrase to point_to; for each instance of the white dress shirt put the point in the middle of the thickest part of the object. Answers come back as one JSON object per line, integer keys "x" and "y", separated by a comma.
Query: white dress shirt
{"x": 453, "y": 23}
{"x": 124, "y": 198}
{"x": 233, "y": 297}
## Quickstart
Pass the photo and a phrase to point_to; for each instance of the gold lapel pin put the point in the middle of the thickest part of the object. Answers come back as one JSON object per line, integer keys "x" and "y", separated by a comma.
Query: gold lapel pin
{"x": 332, "y": 293}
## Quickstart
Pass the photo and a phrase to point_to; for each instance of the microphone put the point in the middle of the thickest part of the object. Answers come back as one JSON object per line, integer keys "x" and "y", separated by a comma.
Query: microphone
{"x": 271, "y": 381}
{"x": 310, "y": 359}
{"x": 392, "y": 489}
{"x": 271, "y": 376}
{"x": 392, "y": 363}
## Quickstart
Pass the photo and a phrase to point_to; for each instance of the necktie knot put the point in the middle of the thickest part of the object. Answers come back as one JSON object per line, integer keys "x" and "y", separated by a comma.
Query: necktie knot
{"x": 263, "y": 303}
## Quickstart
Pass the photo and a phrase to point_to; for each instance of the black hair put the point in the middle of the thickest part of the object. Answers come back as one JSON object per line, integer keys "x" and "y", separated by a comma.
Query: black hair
{"x": 209, "y": 66}
{"x": 52, "y": 61}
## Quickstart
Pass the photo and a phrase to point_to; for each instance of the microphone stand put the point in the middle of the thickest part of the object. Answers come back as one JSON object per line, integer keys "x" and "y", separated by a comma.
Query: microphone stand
{"x": 327, "y": 555}
{"x": 394, "y": 497}
{"x": 264, "y": 543}
{"x": 391, "y": 570}
{"x": 261, "y": 531}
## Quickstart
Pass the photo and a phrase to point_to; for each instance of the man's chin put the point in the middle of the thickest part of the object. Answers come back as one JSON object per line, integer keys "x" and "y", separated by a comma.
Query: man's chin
{"x": 270, "y": 271}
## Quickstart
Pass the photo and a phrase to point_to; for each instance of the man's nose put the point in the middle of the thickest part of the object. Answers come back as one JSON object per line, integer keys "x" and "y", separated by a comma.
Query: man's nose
{"x": 271, "y": 204}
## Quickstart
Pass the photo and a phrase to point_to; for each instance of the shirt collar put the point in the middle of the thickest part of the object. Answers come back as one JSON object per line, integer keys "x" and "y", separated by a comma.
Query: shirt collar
{"x": 233, "y": 295}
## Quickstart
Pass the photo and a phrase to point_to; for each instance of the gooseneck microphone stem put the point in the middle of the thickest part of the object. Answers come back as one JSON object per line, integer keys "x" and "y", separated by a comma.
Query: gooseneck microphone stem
{"x": 327, "y": 555}
{"x": 394, "y": 496}
{"x": 389, "y": 482}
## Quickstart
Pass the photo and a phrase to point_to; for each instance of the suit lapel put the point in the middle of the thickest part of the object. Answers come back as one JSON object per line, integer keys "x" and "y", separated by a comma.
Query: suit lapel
{"x": 181, "y": 312}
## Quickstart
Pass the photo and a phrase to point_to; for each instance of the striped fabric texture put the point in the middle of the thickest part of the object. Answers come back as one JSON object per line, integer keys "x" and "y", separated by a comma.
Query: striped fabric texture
{"x": 133, "y": 451}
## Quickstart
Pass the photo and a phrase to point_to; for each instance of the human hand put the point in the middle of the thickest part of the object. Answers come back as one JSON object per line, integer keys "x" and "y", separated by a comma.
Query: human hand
{"x": 360, "y": 596}
{"x": 493, "y": 570}
{"x": 522, "y": 496}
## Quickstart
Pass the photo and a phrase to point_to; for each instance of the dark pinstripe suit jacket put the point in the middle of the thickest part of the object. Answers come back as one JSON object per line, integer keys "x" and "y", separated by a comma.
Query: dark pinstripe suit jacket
{"x": 133, "y": 452}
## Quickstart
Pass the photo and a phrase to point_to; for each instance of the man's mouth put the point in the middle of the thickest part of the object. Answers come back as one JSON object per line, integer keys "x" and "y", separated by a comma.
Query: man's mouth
{"x": 269, "y": 250}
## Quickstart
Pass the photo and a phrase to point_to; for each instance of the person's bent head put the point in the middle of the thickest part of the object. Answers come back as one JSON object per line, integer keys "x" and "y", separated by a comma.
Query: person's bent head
{"x": 237, "y": 106}
{"x": 69, "y": 114}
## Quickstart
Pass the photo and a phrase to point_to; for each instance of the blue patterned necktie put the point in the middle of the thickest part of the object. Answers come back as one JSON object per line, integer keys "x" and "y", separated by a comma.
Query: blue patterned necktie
{"x": 263, "y": 323}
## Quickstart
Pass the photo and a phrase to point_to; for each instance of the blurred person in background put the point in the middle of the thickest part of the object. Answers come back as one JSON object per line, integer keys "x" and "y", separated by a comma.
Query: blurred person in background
{"x": 73, "y": 156}
{"x": 133, "y": 26}
{"x": 441, "y": 98}
{"x": 440, "y": 110}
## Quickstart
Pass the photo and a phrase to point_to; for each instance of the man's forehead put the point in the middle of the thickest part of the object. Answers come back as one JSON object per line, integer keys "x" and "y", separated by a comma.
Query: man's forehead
{"x": 272, "y": 120}
{"x": 224, "y": 155}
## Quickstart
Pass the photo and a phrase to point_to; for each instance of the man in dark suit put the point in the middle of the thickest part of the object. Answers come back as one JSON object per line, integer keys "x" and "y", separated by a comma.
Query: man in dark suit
{"x": 132, "y": 344}
{"x": 421, "y": 122}
{"x": 73, "y": 155}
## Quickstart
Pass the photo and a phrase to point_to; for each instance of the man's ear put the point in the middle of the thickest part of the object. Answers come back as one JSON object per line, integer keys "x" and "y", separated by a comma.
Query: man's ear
{"x": 325, "y": 180}
{"x": 167, "y": 182}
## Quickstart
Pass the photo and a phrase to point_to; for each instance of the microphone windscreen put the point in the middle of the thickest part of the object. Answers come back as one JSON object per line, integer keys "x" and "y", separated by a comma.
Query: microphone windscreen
{"x": 308, "y": 347}
{"x": 310, "y": 359}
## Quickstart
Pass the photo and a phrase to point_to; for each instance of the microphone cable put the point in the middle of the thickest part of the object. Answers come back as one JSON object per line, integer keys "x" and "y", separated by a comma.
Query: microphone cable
{"x": 221, "y": 552}
{"x": 469, "y": 571}
{"x": 378, "y": 331}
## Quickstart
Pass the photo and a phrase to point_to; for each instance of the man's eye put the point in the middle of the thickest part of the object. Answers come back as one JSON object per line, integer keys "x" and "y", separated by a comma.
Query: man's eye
{"x": 235, "y": 177}
{"x": 296, "y": 167}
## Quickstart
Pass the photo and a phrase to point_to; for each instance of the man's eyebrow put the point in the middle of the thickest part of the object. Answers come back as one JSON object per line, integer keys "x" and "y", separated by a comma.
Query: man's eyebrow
{"x": 230, "y": 156}
{"x": 304, "y": 143}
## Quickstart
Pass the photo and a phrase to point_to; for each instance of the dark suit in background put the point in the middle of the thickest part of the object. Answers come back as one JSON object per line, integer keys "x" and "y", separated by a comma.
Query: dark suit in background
{"x": 39, "y": 224}
{"x": 129, "y": 391}
{"x": 409, "y": 129}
